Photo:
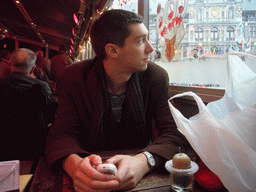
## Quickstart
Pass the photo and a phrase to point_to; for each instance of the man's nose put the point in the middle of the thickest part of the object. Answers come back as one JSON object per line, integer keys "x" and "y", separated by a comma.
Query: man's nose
{"x": 149, "y": 48}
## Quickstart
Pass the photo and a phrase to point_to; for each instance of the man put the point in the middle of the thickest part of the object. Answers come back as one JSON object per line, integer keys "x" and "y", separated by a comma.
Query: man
{"x": 43, "y": 65}
{"x": 58, "y": 64}
{"x": 157, "y": 55}
{"x": 109, "y": 103}
{"x": 27, "y": 107}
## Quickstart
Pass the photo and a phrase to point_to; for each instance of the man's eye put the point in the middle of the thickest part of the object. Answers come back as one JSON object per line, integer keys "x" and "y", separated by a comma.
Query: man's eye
{"x": 140, "y": 41}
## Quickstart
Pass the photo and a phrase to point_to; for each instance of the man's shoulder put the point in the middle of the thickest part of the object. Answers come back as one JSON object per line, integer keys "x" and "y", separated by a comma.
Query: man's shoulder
{"x": 78, "y": 67}
{"x": 155, "y": 70}
{"x": 24, "y": 80}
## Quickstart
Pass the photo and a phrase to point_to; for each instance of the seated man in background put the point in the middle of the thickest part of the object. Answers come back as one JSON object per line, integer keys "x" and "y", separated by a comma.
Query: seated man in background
{"x": 58, "y": 63}
{"x": 109, "y": 103}
{"x": 27, "y": 106}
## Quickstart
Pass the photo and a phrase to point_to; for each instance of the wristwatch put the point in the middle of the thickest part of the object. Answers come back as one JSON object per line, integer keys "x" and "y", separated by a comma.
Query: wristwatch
{"x": 151, "y": 160}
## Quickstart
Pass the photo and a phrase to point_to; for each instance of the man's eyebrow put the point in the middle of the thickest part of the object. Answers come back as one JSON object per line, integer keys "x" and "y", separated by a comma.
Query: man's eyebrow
{"x": 141, "y": 36}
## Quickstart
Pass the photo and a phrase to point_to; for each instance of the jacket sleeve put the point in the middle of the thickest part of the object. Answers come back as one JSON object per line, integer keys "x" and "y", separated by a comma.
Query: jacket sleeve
{"x": 63, "y": 137}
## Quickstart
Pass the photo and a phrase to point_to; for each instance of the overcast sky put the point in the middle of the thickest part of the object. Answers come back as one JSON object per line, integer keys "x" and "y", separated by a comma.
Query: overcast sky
{"x": 249, "y": 5}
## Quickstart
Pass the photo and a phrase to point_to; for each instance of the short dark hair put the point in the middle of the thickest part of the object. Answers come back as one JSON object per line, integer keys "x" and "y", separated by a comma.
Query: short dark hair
{"x": 158, "y": 53}
{"x": 112, "y": 27}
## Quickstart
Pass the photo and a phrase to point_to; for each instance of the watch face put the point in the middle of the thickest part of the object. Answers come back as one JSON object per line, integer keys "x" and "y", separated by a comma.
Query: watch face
{"x": 152, "y": 162}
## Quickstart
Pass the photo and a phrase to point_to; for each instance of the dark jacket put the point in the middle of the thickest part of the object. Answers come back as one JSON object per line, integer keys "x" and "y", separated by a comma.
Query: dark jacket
{"x": 84, "y": 121}
{"x": 27, "y": 107}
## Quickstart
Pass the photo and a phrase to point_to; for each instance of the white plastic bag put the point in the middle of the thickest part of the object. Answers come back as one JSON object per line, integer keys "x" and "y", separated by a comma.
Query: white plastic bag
{"x": 223, "y": 133}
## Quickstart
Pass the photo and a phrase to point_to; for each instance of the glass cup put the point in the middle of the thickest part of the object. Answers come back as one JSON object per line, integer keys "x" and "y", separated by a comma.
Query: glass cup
{"x": 181, "y": 179}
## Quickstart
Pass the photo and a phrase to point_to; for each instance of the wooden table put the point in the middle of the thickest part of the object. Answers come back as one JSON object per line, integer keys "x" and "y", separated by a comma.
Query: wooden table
{"x": 45, "y": 181}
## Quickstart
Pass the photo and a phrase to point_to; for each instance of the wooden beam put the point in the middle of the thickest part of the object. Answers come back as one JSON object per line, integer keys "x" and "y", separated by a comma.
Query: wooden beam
{"x": 143, "y": 9}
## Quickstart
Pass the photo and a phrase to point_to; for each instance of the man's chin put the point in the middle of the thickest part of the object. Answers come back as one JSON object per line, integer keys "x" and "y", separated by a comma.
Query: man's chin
{"x": 144, "y": 67}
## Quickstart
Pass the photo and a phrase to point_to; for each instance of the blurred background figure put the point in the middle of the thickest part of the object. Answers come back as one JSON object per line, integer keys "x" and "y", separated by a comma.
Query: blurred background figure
{"x": 27, "y": 108}
{"x": 157, "y": 55}
{"x": 42, "y": 70}
{"x": 195, "y": 53}
{"x": 58, "y": 64}
{"x": 5, "y": 62}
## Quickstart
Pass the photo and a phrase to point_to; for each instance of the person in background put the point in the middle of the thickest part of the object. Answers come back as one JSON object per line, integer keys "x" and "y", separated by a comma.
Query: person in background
{"x": 58, "y": 64}
{"x": 27, "y": 108}
{"x": 109, "y": 103}
{"x": 5, "y": 62}
{"x": 42, "y": 70}
{"x": 157, "y": 55}
{"x": 195, "y": 53}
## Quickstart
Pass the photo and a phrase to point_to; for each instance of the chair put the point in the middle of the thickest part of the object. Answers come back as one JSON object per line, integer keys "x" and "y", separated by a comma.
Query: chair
{"x": 23, "y": 122}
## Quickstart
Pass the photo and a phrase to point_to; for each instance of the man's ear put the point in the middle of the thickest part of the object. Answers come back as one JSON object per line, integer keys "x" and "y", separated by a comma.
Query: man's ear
{"x": 111, "y": 50}
{"x": 32, "y": 70}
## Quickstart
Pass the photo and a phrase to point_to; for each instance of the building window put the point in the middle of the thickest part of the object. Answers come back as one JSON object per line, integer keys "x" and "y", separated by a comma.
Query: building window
{"x": 200, "y": 15}
{"x": 231, "y": 13}
{"x": 199, "y": 34}
{"x": 253, "y": 32}
{"x": 214, "y": 34}
{"x": 214, "y": 50}
{"x": 230, "y": 33}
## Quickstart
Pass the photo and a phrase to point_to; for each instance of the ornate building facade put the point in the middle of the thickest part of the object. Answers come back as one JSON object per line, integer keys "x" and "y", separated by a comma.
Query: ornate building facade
{"x": 212, "y": 26}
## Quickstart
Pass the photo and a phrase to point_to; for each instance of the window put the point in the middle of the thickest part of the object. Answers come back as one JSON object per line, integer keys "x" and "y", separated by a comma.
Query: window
{"x": 199, "y": 34}
{"x": 230, "y": 33}
{"x": 214, "y": 34}
{"x": 205, "y": 32}
{"x": 231, "y": 13}
{"x": 200, "y": 15}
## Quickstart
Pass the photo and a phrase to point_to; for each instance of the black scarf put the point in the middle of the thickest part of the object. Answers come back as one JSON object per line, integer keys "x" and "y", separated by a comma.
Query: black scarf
{"x": 131, "y": 132}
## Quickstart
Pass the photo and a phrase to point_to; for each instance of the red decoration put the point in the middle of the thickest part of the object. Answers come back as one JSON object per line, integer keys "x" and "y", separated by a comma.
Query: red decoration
{"x": 121, "y": 2}
{"x": 160, "y": 24}
{"x": 163, "y": 32}
{"x": 181, "y": 8}
{"x": 171, "y": 24}
{"x": 170, "y": 15}
{"x": 178, "y": 20}
{"x": 158, "y": 8}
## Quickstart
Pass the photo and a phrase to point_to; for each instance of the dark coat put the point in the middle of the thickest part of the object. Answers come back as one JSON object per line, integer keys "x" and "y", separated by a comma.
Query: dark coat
{"x": 27, "y": 107}
{"x": 84, "y": 115}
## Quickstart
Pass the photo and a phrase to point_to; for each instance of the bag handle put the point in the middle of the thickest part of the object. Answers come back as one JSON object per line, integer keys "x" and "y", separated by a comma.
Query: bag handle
{"x": 200, "y": 104}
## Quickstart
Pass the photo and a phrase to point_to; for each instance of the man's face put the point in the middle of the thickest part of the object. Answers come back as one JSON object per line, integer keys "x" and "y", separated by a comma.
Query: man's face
{"x": 155, "y": 55}
{"x": 134, "y": 55}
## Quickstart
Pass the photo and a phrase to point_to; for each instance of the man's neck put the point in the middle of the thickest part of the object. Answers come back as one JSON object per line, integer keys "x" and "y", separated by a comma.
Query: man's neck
{"x": 116, "y": 79}
{"x": 16, "y": 70}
